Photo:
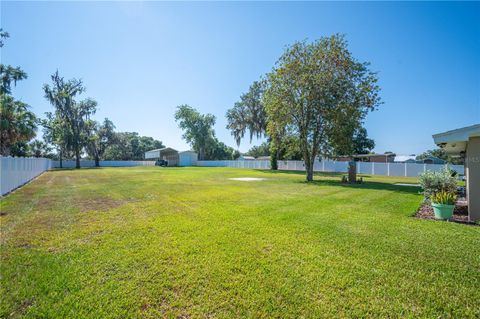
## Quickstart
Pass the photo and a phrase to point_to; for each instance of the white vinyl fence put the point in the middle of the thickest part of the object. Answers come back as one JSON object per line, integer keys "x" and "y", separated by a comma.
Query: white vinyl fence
{"x": 387, "y": 169}
{"x": 89, "y": 163}
{"x": 16, "y": 171}
{"x": 238, "y": 164}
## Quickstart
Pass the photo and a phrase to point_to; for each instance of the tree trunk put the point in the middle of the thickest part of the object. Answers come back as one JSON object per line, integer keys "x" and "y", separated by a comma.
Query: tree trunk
{"x": 97, "y": 161}
{"x": 61, "y": 158}
{"x": 77, "y": 157}
{"x": 6, "y": 151}
{"x": 309, "y": 168}
{"x": 274, "y": 160}
{"x": 352, "y": 172}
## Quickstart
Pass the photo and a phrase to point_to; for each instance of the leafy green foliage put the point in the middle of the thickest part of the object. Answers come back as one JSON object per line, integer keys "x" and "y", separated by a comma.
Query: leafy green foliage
{"x": 259, "y": 150}
{"x": 129, "y": 146}
{"x": 248, "y": 114}
{"x": 198, "y": 132}
{"x": 319, "y": 93}
{"x": 236, "y": 154}
{"x": 443, "y": 197}
{"x": 17, "y": 123}
{"x": 360, "y": 144}
{"x": 219, "y": 151}
{"x": 100, "y": 137}
{"x": 57, "y": 133}
{"x": 39, "y": 148}
{"x": 198, "y": 129}
{"x": 8, "y": 74}
{"x": 20, "y": 149}
{"x": 436, "y": 182}
{"x": 3, "y": 35}
{"x": 73, "y": 115}
{"x": 289, "y": 149}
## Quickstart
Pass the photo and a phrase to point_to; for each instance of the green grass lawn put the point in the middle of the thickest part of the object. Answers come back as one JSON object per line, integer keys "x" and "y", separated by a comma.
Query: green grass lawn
{"x": 152, "y": 242}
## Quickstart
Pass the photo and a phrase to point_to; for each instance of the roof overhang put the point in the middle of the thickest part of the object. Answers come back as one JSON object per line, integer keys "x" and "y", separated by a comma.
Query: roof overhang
{"x": 152, "y": 154}
{"x": 455, "y": 141}
{"x": 167, "y": 149}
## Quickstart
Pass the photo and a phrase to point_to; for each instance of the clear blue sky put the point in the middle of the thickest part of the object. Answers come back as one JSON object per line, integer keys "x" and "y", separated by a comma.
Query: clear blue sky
{"x": 141, "y": 60}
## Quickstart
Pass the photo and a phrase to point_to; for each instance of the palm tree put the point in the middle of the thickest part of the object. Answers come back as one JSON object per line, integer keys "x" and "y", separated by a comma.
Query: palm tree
{"x": 17, "y": 123}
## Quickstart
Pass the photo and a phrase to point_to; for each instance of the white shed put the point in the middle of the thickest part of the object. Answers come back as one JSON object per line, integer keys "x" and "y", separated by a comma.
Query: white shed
{"x": 187, "y": 158}
{"x": 173, "y": 157}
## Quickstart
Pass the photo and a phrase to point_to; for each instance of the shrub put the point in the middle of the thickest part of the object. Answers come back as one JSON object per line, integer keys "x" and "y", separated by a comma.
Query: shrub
{"x": 435, "y": 182}
{"x": 445, "y": 198}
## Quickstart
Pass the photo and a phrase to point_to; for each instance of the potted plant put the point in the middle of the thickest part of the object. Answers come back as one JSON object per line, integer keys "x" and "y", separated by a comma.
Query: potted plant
{"x": 443, "y": 204}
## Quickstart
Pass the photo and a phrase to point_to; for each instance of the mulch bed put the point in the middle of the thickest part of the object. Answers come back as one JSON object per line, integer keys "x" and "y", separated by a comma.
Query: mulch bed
{"x": 460, "y": 214}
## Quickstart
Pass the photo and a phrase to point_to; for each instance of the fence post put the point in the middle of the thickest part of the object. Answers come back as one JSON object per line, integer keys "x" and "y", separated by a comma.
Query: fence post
{"x": 388, "y": 169}
{"x": 424, "y": 167}
{"x": 405, "y": 169}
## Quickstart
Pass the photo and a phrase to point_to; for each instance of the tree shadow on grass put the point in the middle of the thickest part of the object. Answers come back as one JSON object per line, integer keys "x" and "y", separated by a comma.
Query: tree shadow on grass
{"x": 367, "y": 185}
{"x": 302, "y": 173}
{"x": 56, "y": 169}
{"x": 338, "y": 183}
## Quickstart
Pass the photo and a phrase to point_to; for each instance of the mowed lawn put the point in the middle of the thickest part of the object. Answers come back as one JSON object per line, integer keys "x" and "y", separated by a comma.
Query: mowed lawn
{"x": 156, "y": 242}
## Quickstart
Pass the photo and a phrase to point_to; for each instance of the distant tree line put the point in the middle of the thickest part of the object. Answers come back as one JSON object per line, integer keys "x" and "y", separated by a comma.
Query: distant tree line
{"x": 69, "y": 131}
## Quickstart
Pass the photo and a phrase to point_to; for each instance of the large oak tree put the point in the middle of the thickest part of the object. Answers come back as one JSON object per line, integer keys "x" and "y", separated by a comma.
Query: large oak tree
{"x": 75, "y": 115}
{"x": 320, "y": 93}
{"x": 100, "y": 136}
{"x": 197, "y": 129}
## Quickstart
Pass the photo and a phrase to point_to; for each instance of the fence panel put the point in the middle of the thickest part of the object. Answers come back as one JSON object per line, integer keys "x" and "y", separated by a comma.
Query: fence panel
{"x": 380, "y": 169}
{"x": 396, "y": 169}
{"x": 414, "y": 169}
{"x": 17, "y": 171}
{"x": 370, "y": 168}
{"x": 90, "y": 163}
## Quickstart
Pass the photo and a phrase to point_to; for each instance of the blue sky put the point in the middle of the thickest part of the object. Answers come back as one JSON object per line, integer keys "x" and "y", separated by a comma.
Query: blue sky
{"x": 141, "y": 60}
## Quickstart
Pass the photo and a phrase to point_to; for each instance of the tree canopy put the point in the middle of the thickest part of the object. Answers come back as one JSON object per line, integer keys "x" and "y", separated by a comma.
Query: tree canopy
{"x": 360, "y": 144}
{"x": 259, "y": 150}
{"x": 18, "y": 124}
{"x": 99, "y": 137}
{"x": 75, "y": 115}
{"x": 248, "y": 114}
{"x": 319, "y": 93}
{"x": 197, "y": 129}
{"x": 130, "y": 146}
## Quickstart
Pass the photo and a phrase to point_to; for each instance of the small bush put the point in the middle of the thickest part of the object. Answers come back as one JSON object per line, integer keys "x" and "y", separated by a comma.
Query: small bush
{"x": 435, "y": 182}
{"x": 444, "y": 198}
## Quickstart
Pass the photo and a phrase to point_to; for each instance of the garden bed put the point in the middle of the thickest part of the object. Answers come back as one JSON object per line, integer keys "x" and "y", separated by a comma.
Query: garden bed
{"x": 460, "y": 214}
